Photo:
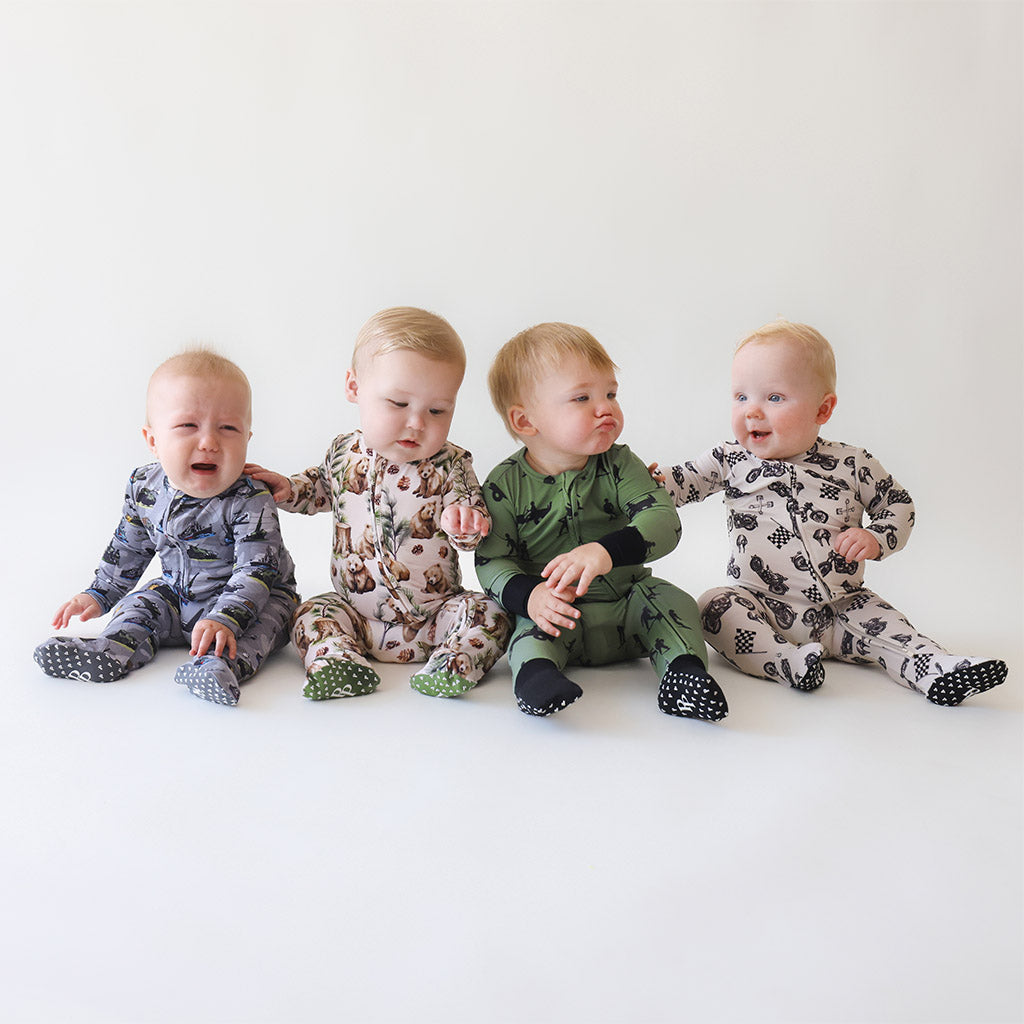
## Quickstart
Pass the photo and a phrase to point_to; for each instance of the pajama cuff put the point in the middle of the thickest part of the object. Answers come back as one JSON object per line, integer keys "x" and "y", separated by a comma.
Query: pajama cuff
{"x": 100, "y": 598}
{"x": 516, "y": 595}
{"x": 626, "y": 546}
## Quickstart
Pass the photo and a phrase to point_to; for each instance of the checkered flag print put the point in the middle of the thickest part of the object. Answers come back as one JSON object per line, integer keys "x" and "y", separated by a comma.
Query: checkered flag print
{"x": 745, "y": 641}
{"x": 781, "y": 537}
{"x": 922, "y": 666}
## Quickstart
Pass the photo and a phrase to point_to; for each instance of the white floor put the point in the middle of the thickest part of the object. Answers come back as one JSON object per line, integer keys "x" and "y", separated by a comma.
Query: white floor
{"x": 848, "y": 855}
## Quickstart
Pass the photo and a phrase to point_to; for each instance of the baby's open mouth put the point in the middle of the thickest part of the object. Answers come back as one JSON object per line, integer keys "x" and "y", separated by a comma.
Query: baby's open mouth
{"x": 204, "y": 467}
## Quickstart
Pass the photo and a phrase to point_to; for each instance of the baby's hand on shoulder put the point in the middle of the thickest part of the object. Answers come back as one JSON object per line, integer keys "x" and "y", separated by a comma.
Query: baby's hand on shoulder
{"x": 657, "y": 473}
{"x": 83, "y": 605}
{"x": 280, "y": 486}
{"x": 464, "y": 522}
{"x": 857, "y": 545}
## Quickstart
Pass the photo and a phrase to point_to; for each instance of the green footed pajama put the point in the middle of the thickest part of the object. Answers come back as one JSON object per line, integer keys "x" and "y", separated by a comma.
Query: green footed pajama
{"x": 653, "y": 619}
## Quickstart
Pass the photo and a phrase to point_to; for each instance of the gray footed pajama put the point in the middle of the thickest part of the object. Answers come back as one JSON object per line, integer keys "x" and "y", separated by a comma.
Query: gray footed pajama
{"x": 794, "y": 599}
{"x": 222, "y": 559}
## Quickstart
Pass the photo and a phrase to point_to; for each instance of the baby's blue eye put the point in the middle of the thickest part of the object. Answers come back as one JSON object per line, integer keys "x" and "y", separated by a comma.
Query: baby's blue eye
{"x": 775, "y": 398}
{"x": 741, "y": 398}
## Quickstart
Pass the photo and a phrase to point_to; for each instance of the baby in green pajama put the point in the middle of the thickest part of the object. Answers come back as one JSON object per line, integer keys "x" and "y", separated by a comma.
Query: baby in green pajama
{"x": 574, "y": 518}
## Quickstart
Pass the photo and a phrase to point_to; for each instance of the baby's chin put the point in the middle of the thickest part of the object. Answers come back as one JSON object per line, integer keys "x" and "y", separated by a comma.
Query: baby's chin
{"x": 766, "y": 445}
{"x": 203, "y": 485}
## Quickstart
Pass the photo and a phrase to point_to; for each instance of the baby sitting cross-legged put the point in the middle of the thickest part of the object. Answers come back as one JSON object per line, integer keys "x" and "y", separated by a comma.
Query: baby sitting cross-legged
{"x": 576, "y": 517}
{"x": 795, "y": 506}
{"x": 404, "y": 500}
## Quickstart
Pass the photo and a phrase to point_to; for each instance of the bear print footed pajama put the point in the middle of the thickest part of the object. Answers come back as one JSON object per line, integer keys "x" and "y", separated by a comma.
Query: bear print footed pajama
{"x": 795, "y": 600}
{"x": 398, "y": 595}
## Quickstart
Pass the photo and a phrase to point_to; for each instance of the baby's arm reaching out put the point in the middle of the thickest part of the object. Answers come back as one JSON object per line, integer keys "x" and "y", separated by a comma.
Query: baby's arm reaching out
{"x": 280, "y": 486}
{"x": 857, "y": 545}
{"x": 82, "y": 605}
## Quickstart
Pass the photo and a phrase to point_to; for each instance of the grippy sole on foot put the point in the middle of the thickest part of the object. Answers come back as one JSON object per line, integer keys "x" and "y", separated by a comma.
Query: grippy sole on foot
{"x": 335, "y": 678}
{"x": 205, "y": 684}
{"x": 955, "y": 687}
{"x": 688, "y": 696}
{"x": 62, "y": 658}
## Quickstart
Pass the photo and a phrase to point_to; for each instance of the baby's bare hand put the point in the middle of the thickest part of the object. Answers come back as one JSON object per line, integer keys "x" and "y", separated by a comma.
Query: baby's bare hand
{"x": 657, "y": 473}
{"x": 280, "y": 486}
{"x": 550, "y": 612}
{"x": 573, "y": 572}
{"x": 857, "y": 545}
{"x": 207, "y": 632}
{"x": 463, "y": 520}
{"x": 82, "y": 605}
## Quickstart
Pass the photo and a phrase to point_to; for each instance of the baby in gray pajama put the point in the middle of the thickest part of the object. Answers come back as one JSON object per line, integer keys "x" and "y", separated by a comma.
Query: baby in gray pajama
{"x": 228, "y": 584}
{"x": 795, "y": 507}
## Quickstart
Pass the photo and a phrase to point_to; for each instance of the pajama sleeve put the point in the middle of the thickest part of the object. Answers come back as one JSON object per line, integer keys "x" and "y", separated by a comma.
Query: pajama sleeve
{"x": 129, "y": 552}
{"x": 499, "y": 558}
{"x": 699, "y": 479}
{"x": 461, "y": 487}
{"x": 258, "y": 544}
{"x": 648, "y": 508}
{"x": 311, "y": 490}
{"x": 889, "y": 507}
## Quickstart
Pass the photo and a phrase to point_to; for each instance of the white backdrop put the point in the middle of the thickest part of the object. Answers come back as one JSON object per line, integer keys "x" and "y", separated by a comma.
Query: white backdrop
{"x": 264, "y": 176}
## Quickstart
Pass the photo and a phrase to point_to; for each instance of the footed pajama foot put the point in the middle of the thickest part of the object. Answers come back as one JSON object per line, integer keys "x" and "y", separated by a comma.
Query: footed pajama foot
{"x": 440, "y": 684}
{"x": 542, "y": 690}
{"x": 687, "y": 691}
{"x": 813, "y": 675}
{"x": 955, "y": 687}
{"x": 328, "y": 678}
{"x": 209, "y": 678}
{"x": 68, "y": 658}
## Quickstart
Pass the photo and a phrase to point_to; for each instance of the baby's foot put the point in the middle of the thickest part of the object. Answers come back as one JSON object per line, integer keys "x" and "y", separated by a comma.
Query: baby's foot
{"x": 211, "y": 678}
{"x": 441, "y": 683}
{"x": 71, "y": 658}
{"x": 327, "y": 678}
{"x": 954, "y": 687}
{"x": 813, "y": 674}
{"x": 688, "y": 691}
{"x": 542, "y": 690}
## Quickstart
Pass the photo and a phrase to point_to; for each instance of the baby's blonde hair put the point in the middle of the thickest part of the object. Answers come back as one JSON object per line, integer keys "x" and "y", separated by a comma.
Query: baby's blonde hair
{"x": 199, "y": 361}
{"x": 408, "y": 329}
{"x": 813, "y": 345}
{"x": 531, "y": 354}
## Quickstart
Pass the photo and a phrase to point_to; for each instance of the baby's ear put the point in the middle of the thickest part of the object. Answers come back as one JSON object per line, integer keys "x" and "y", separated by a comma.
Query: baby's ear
{"x": 150, "y": 438}
{"x": 520, "y": 422}
{"x": 351, "y": 385}
{"x": 827, "y": 407}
